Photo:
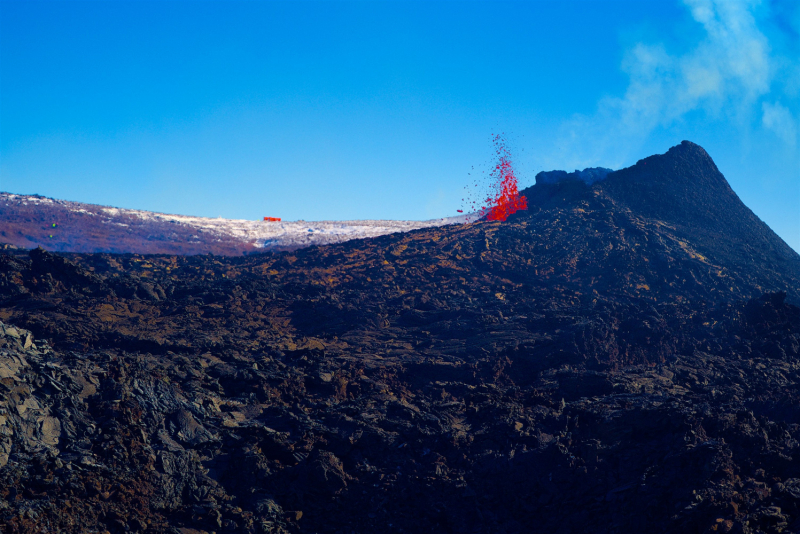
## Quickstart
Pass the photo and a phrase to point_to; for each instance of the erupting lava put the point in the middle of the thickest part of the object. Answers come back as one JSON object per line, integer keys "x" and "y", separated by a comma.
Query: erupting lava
{"x": 505, "y": 198}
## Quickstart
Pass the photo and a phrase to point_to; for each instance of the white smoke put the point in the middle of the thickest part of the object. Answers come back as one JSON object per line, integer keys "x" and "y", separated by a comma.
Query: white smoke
{"x": 725, "y": 75}
{"x": 779, "y": 119}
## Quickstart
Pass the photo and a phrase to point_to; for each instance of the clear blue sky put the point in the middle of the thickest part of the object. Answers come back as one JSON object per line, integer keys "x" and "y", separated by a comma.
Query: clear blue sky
{"x": 352, "y": 110}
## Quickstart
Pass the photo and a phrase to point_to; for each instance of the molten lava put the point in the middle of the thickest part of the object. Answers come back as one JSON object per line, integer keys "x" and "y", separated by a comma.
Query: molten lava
{"x": 501, "y": 180}
{"x": 507, "y": 199}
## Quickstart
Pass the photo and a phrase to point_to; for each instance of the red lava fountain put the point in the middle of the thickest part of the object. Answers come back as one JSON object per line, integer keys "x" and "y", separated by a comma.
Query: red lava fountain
{"x": 507, "y": 199}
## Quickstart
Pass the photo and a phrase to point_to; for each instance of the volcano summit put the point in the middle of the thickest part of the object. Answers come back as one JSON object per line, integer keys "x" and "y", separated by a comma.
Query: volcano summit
{"x": 623, "y": 356}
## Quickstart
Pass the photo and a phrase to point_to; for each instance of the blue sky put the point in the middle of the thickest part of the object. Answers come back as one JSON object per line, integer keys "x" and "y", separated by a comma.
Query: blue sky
{"x": 353, "y": 110}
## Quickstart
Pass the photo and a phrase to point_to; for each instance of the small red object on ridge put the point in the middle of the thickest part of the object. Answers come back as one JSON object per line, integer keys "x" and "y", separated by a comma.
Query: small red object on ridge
{"x": 272, "y": 219}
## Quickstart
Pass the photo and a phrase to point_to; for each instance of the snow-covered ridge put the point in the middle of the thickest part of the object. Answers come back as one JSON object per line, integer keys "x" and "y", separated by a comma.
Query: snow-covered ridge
{"x": 259, "y": 234}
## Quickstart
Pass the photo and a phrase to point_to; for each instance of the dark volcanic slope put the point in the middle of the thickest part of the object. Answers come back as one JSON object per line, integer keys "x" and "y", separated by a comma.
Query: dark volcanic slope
{"x": 665, "y": 203}
{"x": 684, "y": 188}
{"x": 593, "y": 365}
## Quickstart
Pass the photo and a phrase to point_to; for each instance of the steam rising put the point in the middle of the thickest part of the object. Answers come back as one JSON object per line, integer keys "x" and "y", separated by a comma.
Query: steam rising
{"x": 731, "y": 74}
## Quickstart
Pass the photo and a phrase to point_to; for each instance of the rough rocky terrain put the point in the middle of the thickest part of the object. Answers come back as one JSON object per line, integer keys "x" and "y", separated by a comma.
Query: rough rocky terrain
{"x": 603, "y": 362}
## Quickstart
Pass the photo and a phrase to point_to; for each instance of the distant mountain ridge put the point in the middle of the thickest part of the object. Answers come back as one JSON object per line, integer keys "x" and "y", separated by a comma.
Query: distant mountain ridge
{"x": 677, "y": 200}
{"x": 30, "y": 221}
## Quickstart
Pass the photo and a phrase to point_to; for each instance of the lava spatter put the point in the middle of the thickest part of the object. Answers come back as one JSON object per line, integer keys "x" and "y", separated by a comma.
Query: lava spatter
{"x": 507, "y": 199}
{"x": 504, "y": 198}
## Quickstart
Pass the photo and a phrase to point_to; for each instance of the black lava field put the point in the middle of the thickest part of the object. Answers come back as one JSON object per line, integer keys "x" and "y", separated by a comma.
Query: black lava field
{"x": 623, "y": 356}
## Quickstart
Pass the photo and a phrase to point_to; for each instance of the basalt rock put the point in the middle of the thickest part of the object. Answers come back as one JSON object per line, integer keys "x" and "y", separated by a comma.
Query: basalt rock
{"x": 593, "y": 364}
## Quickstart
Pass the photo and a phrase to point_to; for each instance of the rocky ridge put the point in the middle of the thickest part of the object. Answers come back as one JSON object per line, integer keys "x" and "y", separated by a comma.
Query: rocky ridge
{"x": 587, "y": 176}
